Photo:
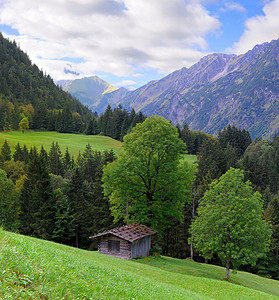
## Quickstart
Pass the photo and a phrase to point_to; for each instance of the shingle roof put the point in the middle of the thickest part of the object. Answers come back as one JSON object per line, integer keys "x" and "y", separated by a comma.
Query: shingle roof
{"x": 131, "y": 232}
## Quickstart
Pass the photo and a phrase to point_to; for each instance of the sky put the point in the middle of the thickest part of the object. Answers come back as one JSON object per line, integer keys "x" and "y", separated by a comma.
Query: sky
{"x": 131, "y": 42}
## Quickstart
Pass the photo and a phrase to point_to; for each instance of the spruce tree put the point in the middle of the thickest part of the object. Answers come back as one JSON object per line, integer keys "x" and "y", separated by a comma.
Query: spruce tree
{"x": 6, "y": 151}
{"x": 18, "y": 155}
{"x": 77, "y": 199}
{"x": 64, "y": 226}
{"x": 55, "y": 164}
{"x": 25, "y": 154}
{"x": 37, "y": 201}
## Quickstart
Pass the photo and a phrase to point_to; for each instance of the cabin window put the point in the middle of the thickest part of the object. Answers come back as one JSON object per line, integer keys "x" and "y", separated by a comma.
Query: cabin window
{"x": 113, "y": 246}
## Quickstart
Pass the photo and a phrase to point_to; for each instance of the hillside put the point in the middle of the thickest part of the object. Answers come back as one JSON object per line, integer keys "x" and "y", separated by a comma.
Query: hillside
{"x": 74, "y": 142}
{"x": 92, "y": 92}
{"x": 27, "y": 91}
{"x": 32, "y": 269}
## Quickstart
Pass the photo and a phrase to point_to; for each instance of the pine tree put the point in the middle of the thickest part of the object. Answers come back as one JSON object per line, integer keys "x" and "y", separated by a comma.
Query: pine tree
{"x": 77, "y": 199}
{"x": 67, "y": 163}
{"x": 55, "y": 164}
{"x": 89, "y": 129}
{"x": 64, "y": 226}
{"x": 18, "y": 154}
{"x": 37, "y": 201}
{"x": 25, "y": 154}
{"x": 6, "y": 151}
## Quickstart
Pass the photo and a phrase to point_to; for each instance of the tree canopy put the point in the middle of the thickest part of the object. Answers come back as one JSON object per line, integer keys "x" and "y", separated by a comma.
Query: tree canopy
{"x": 230, "y": 222}
{"x": 147, "y": 183}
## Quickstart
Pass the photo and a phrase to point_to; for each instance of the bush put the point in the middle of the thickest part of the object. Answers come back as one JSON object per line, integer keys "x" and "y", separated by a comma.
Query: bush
{"x": 156, "y": 251}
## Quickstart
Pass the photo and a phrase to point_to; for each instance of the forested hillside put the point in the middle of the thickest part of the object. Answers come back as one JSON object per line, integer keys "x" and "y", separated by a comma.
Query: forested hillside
{"x": 25, "y": 91}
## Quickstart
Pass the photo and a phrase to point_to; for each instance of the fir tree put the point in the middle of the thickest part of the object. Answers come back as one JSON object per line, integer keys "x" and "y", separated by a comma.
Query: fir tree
{"x": 18, "y": 154}
{"x": 55, "y": 164}
{"x": 37, "y": 201}
{"x": 6, "y": 151}
{"x": 25, "y": 154}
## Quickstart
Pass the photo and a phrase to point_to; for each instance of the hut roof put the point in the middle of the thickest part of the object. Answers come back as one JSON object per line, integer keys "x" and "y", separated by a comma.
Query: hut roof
{"x": 130, "y": 232}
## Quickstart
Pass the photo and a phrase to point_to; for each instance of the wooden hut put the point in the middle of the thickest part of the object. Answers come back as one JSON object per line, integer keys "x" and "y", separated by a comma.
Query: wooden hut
{"x": 128, "y": 242}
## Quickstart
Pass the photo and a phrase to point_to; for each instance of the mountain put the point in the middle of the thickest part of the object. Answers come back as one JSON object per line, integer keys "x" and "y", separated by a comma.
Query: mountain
{"x": 93, "y": 92}
{"x": 218, "y": 90}
{"x": 25, "y": 91}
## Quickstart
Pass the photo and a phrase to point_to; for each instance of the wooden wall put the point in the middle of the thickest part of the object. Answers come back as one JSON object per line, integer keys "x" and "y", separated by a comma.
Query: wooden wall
{"x": 141, "y": 247}
{"x": 124, "y": 251}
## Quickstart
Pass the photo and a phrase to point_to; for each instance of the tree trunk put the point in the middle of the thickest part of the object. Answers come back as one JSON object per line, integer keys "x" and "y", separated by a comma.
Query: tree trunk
{"x": 192, "y": 248}
{"x": 227, "y": 268}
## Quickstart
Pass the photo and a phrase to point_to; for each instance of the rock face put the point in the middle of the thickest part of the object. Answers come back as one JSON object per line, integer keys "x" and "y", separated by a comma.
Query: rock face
{"x": 220, "y": 89}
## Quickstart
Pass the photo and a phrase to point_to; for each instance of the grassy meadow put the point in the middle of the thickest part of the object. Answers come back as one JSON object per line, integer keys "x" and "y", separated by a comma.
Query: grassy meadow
{"x": 38, "y": 269}
{"x": 75, "y": 142}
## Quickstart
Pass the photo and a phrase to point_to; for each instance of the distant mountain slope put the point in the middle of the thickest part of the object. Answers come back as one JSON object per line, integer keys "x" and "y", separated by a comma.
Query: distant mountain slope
{"x": 218, "y": 90}
{"x": 92, "y": 91}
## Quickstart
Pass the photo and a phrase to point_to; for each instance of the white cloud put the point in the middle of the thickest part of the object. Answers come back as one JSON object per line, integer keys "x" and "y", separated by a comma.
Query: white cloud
{"x": 260, "y": 29}
{"x": 233, "y": 6}
{"x": 129, "y": 84}
{"x": 113, "y": 36}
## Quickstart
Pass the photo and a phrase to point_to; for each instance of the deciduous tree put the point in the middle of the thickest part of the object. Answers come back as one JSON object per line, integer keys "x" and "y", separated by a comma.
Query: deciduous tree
{"x": 23, "y": 124}
{"x": 230, "y": 222}
{"x": 147, "y": 182}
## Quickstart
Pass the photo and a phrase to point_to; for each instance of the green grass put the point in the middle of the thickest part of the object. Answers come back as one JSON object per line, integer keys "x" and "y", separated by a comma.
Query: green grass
{"x": 37, "y": 269}
{"x": 190, "y": 158}
{"x": 75, "y": 142}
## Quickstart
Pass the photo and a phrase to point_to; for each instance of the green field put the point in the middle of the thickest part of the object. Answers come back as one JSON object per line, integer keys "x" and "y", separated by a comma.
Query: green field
{"x": 37, "y": 269}
{"x": 75, "y": 142}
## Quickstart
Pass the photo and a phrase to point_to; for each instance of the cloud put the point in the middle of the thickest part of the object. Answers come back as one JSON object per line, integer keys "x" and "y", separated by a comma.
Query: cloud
{"x": 233, "y": 6}
{"x": 113, "y": 36}
{"x": 259, "y": 29}
{"x": 129, "y": 84}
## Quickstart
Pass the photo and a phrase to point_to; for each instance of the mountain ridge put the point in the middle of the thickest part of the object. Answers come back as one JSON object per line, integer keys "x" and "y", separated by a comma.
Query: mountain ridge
{"x": 218, "y": 90}
{"x": 89, "y": 90}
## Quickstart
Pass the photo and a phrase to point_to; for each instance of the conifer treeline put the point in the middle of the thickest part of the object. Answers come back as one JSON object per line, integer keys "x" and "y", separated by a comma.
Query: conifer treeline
{"x": 52, "y": 196}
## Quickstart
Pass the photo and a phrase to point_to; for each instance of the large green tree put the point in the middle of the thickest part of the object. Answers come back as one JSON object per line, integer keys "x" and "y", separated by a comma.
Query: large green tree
{"x": 148, "y": 183}
{"x": 230, "y": 222}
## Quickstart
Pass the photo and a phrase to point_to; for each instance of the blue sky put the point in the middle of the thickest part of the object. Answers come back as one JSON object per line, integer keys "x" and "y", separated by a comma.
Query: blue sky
{"x": 130, "y": 42}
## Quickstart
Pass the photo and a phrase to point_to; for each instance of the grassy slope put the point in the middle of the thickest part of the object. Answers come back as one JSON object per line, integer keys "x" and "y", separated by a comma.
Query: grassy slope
{"x": 31, "y": 268}
{"x": 75, "y": 142}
